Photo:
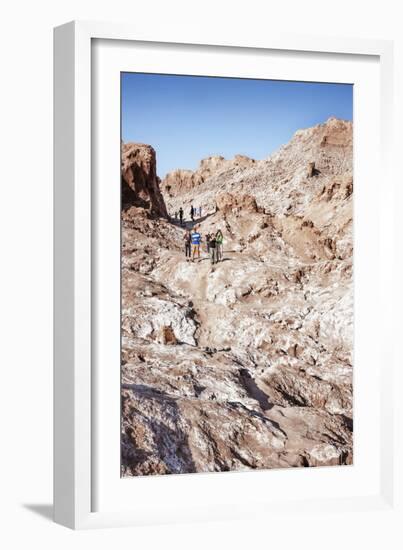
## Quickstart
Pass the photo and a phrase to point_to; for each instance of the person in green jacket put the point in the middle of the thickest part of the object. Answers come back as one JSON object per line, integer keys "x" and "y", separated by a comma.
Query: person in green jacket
{"x": 219, "y": 237}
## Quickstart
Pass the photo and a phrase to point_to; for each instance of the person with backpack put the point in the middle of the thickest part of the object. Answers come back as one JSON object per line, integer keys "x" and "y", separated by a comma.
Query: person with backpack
{"x": 213, "y": 249}
{"x": 181, "y": 215}
{"x": 196, "y": 240}
{"x": 219, "y": 237}
{"x": 187, "y": 238}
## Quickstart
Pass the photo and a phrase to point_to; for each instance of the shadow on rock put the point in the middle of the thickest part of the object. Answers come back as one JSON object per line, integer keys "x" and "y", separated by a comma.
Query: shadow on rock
{"x": 254, "y": 391}
{"x": 189, "y": 224}
{"x": 154, "y": 440}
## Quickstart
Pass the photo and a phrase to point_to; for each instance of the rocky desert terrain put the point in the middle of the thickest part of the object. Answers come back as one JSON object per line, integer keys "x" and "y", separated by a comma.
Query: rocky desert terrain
{"x": 247, "y": 363}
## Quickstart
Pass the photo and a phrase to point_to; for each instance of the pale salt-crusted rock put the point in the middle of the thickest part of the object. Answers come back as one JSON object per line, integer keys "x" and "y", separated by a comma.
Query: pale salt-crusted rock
{"x": 248, "y": 363}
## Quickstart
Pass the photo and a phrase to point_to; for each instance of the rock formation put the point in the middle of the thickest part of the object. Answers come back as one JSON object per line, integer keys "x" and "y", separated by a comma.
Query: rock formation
{"x": 235, "y": 202}
{"x": 248, "y": 363}
{"x": 140, "y": 184}
{"x": 185, "y": 181}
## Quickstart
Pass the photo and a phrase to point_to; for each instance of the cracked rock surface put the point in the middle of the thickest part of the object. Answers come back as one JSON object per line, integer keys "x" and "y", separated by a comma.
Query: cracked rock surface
{"x": 247, "y": 363}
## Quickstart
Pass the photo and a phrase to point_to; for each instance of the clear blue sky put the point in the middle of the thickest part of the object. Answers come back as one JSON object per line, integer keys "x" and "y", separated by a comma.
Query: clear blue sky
{"x": 187, "y": 118}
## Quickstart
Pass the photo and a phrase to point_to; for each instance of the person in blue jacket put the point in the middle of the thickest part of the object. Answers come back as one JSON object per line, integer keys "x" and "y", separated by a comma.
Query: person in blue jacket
{"x": 196, "y": 241}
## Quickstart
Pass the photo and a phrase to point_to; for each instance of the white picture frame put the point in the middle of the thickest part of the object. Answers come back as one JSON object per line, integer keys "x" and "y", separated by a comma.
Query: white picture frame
{"x": 81, "y": 427}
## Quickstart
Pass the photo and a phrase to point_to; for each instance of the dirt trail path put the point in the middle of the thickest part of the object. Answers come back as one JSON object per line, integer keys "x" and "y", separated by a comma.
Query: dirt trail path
{"x": 230, "y": 290}
{"x": 196, "y": 281}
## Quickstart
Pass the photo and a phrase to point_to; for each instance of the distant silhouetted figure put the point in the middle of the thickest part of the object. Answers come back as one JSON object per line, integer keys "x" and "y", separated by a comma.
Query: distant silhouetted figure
{"x": 200, "y": 211}
{"x": 192, "y": 212}
{"x": 176, "y": 216}
{"x": 181, "y": 215}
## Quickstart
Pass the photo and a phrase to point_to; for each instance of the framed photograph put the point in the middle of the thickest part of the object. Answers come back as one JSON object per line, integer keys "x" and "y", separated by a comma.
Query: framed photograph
{"x": 221, "y": 281}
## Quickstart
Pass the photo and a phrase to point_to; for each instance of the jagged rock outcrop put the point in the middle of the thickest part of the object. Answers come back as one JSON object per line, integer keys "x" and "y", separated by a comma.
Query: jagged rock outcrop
{"x": 181, "y": 182}
{"x": 232, "y": 202}
{"x": 311, "y": 170}
{"x": 140, "y": 184}
{"x": 248, "y": 363}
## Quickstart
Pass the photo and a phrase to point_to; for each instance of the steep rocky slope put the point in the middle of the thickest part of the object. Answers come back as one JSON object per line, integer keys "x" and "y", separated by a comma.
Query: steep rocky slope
{"x": 247, "y": 363}
{"x": 282, "y": 184}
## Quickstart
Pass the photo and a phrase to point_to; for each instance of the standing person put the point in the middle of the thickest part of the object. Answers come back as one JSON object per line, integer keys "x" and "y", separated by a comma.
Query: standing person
{"x": 181, "y": 215}
{"x": 196, "y": 240}
{"x": 213, "y": 250}
{"x": 200, "y": 211}
{"x": 219, "y": 237}
{"x": 192, "y": 212}
{"x": 208, "y": 237}
{"x": 176, "y": 216}
{"x": 187, "y": 238}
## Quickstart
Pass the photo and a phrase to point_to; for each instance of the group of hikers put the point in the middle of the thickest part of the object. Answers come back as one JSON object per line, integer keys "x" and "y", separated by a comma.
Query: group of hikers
{"x": 194, "y": 212}
{"x": 193, "y": 238}
{"x": 214, "y": 245}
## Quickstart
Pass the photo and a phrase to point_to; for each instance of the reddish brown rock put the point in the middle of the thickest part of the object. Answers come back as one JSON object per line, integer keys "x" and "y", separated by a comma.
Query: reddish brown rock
{"x": 187, "y": 182}
{"x": 140, "y": 184}
{"x": 231, "y": 202}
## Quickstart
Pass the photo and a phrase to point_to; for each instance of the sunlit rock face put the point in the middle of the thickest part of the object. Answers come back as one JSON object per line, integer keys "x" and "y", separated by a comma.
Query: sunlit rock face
{"x": 246, "y": 363}
{"x": 140, "y": 184}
